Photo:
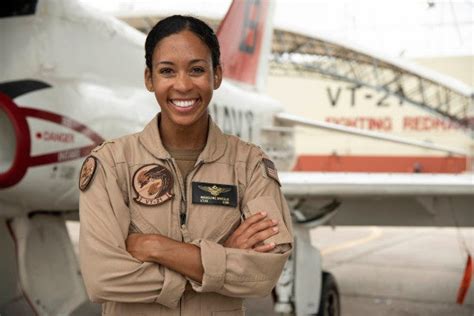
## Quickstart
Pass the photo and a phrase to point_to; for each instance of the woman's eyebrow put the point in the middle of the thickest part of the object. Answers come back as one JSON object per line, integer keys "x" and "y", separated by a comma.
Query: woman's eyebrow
{"x": 197, "y": 61}
{"x": 194, "y": 61}
{"x": 165, "y": 62}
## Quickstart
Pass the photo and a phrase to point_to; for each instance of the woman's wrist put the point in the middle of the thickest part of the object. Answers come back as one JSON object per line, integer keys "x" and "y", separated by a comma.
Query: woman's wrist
{"x": 153, "y": 244}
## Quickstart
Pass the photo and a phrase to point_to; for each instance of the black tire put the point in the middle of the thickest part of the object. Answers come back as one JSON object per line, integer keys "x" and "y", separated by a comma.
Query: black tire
{"x": 330, "y": 303}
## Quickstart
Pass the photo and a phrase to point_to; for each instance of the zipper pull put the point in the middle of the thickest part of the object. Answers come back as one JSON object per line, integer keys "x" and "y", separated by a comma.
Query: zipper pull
{"x": 182, "y": 217}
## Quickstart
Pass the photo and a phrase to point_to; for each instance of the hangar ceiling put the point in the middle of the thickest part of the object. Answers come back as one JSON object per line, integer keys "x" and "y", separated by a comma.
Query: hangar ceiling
{"x": 296, "y": 54}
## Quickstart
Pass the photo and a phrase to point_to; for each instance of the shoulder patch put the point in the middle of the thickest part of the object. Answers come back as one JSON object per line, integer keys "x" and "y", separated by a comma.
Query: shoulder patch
{"x": 87, "y": 172}
{"x": 270, "y": 169}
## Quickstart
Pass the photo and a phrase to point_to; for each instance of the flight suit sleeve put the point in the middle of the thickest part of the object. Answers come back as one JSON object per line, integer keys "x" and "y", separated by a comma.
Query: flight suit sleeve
{"x": 110, "y": 273}
{"x": 247, "y": 273}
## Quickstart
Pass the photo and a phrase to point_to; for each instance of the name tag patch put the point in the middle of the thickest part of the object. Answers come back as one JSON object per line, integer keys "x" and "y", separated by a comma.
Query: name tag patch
{"x": 214, "y": 193}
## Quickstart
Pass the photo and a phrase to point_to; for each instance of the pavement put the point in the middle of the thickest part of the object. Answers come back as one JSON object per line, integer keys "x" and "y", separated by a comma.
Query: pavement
{"x": 393, "y": 270}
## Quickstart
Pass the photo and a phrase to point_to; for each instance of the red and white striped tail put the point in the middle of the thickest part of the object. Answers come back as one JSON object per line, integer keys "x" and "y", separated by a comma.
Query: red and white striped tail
{"x": 245, "y": 36}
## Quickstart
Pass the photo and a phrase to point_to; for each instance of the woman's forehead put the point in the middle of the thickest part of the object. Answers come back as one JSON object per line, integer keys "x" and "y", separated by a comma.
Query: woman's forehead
{"x": 183, "y": 45}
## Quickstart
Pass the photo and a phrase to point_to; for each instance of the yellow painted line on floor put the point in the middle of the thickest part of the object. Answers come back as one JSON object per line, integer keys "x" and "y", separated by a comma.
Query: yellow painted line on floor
{"x": 375, "y": 233}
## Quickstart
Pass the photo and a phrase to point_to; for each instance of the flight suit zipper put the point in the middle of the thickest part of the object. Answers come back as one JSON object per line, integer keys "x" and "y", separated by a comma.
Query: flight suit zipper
{"x": 182, "y": 210}
{"x": 183, "y": 206}
{"x": 178, "y": 177}
{"x": 184, "y": 189}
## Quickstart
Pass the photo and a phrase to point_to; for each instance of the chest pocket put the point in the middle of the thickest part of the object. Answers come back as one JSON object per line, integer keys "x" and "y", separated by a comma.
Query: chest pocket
{"x": 212, "y": 222}
{"x": 213, "y": 210}
{"x": 217, "y": 190}
{"x": 150, "y": 196}
{"x": 149, "y": 219}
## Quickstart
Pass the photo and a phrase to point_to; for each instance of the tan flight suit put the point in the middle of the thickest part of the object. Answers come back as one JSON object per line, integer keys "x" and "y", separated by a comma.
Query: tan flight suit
{"x": 109, "y": 211}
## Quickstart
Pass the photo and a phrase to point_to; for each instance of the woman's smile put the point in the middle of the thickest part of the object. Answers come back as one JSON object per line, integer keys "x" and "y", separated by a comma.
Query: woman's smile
{"x": 185, "y": 105}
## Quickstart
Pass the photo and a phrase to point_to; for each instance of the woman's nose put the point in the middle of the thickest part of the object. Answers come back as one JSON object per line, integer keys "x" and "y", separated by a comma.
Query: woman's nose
{"x": 183, "y": 83}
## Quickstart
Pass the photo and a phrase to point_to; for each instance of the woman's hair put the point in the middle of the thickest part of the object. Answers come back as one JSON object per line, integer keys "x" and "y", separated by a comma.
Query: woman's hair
{"x": 175, "y": 24}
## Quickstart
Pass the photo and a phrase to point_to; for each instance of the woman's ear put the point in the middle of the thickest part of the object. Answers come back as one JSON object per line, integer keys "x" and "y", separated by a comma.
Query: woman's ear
{"x": 217, "y": 77}
{"x": 148, "y": 80}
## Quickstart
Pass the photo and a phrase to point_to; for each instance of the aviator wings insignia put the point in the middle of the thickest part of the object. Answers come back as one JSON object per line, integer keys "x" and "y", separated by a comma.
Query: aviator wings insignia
{"x": 214, "y": 190}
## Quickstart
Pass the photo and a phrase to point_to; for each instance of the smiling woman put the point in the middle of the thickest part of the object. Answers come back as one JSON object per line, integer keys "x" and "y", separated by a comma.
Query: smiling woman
{"x": 181, "y": 218}
{"x": 183, "y": 78}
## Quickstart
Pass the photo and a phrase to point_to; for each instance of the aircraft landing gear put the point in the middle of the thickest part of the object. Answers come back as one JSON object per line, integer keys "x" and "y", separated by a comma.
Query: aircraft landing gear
{"x": 303, "y": 288}
{"x": 329, "y": 304}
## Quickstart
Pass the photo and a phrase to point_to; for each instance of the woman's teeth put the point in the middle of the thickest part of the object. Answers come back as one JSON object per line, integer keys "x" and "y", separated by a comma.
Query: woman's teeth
{"x": 183, "y": 103}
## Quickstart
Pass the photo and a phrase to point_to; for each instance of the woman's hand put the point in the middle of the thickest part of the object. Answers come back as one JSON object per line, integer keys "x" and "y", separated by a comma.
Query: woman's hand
{"x": 252, "y": 232}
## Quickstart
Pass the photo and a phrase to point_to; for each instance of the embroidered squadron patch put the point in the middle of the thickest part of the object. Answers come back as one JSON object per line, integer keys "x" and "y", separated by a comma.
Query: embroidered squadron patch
{"x": 270, "y": 169}
{"x": 216, "y": 194}
{"x": 87, "y": 172}
{"x": 153, "y": 185}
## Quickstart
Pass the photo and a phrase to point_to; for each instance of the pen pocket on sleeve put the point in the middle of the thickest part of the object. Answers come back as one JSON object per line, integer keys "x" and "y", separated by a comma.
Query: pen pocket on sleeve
{"x": 267, "y": 204}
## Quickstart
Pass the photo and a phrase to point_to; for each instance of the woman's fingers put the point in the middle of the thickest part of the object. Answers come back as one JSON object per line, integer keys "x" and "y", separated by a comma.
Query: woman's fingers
{"x": 253, "y": 231}
{"x": 255, "y": 218}
{"x": 258, "y": 227}
{"x": 261, "y": 236}
{"x": 265, "y": 248}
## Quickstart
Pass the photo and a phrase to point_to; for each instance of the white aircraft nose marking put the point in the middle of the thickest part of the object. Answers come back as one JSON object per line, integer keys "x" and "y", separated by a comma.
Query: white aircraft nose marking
{"x": 14, "y": 168}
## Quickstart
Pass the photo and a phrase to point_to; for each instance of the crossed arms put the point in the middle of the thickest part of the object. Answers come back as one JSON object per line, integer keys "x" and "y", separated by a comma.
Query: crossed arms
{"x": 185, "y": 258}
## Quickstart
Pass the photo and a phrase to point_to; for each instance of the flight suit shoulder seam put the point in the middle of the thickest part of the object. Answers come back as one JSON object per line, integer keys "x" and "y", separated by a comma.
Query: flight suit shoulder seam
{"x": 115, "y": 148}
{"x": 224, "y": 163}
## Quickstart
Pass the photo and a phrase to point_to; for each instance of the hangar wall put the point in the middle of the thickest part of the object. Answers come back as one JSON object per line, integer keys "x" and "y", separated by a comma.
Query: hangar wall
{"x": 338, "y": 102}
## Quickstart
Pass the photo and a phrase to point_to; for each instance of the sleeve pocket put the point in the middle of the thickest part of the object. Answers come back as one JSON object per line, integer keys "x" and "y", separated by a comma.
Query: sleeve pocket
{"x": 268, "y": 205}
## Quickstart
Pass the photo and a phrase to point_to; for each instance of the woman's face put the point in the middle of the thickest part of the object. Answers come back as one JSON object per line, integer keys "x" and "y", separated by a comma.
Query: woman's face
{"x": 182, "y": 78}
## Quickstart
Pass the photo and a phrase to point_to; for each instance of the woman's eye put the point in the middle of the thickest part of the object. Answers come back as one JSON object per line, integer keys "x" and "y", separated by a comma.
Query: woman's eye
{"x": 166, "y": 71}
{"x": 197, "y": 70}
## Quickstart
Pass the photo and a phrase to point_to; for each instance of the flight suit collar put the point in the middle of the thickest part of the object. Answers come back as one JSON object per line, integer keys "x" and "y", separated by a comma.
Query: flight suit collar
{"x": 215, "y": 146}
{"x": 150, "y": 138}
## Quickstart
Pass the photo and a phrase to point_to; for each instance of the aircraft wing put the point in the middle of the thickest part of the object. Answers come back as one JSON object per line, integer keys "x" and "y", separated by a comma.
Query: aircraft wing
{"x": 376, "y": 184}
{"x": 380, "y": 199}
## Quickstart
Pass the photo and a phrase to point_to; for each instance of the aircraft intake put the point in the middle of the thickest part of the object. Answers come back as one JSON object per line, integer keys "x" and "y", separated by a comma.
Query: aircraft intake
{"x": 14, "y": 142}
{"x": 7, "y": 142}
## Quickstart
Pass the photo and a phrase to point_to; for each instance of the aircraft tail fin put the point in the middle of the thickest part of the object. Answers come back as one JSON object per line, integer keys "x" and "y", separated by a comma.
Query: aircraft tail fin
{"x": 245, "y": 36}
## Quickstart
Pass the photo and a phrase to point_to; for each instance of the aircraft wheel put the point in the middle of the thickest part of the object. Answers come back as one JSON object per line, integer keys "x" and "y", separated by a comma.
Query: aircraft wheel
{"x": 330, "y": 304}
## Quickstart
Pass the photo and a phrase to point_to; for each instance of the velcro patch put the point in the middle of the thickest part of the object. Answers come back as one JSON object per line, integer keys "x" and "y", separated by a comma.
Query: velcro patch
{"x": 153, "y": 184}
{"x": 271, "y": 170}
{"x": 214, "y": 193}
{"x": 87, "y": 172}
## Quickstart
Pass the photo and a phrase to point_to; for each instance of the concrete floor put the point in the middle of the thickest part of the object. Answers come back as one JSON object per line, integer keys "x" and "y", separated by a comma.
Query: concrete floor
{"x": 393, "y": 271}
{"x": 388, "y": 270}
